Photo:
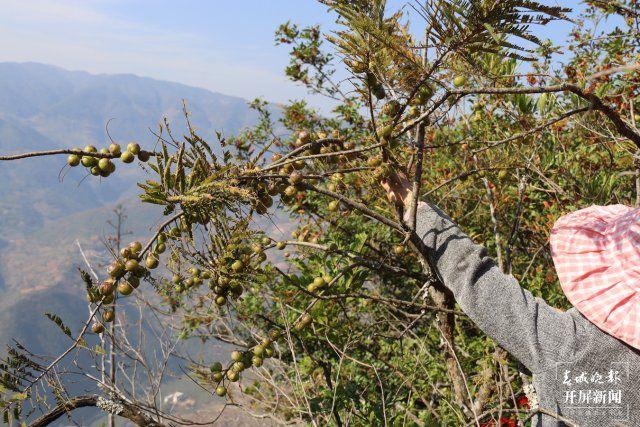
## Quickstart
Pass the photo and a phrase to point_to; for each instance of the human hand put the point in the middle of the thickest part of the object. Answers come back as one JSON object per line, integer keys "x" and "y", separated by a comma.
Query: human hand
{"x": 398, "y": 188}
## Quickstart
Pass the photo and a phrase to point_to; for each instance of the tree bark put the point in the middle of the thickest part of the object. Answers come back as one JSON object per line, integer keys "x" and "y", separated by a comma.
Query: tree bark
{"x": 129, "y": 412}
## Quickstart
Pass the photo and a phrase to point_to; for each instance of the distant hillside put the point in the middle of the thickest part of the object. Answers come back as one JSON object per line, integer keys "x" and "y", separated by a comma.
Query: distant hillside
{"x": 44, "y": 107}
{"x": 42, "y": 217}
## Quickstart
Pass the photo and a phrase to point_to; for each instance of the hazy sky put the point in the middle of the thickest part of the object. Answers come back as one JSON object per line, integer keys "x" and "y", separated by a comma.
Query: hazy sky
{"x": 225, "y": 46}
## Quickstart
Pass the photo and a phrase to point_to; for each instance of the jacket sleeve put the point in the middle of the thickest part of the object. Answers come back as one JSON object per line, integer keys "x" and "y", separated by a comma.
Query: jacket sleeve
{"x": 526, "y": 326}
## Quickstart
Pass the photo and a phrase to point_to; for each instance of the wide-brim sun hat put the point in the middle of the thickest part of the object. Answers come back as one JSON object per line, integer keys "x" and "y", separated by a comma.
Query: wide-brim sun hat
{"x": 596, "y": 252}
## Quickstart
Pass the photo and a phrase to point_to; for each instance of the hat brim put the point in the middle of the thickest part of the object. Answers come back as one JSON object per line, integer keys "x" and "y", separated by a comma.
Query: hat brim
{"x": 588, "y": 264}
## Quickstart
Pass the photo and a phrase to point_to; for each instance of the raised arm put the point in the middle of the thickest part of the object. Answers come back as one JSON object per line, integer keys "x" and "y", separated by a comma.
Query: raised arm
{"x": 526, "y": 326}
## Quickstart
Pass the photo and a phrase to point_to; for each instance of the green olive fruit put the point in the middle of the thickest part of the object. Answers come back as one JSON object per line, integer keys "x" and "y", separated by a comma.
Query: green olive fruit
{"x": 304, "y": 321}
{"x": 414, "y": 112}
{"x": 311, "y": 288}
{"x": 90, "y": 149}
{"x": 73, "y": 160}
{"x": 256, "y": 361}
{"x": 337, "y": 177}
{"x": 97, "y": 328}
{"x": 326, "y": 150}
{"x": 108, "y": 299}
{"x": 424, "y": 94}
{"x": 304, "y": 136}
{"x": 135, "y": 247}
{"x": 257, "y": 248}
{"x": 134, "y": 281}
{"x": 236, "y": 355}
{"x": 162, "y": 238}
{"x": 224, "y": 281}
{"x": 125, "y": 288}
{"x": 217, "y": 376}
{"x": 258, "y": 350}
{"x": 108, "y": 316}
{"x": 295, "y": 177}
{"x": 232, "y": 375}
{"x": 502, "y": 174}
{"x": 175, "y": 232}
{"x": 319, "y": 282}
{"x": 144, "y": 156}
{"x": 287, "y": 169}
{"x": 299, "y": 164}
{"x": 151, "y": 262}
{"x": 95, "y": 171}
{"x": 262, "y": 257}
{"x": 221, "y": 391}
{"x": 290, "y": 191}
{"x": 281, "y": 245}
{"x": 178, "y": 288}
{"x": 116, "y": 269}
{"x": 274, "y": 334}
{"x": 107, "y": 286}
{"x": 205, "y": 275}
{"x": 125, "y": 252}
{"x": 398, "y": 249}
{"x": 176, "y": 278}
{"x": 133, "y": 148}
{"x": 103, "y": 164}
{"x": 385, "y": 131}
{"x": 238, "y": 366}
{"x": 459, "y": 81}
{"x": 189, "y": 282}
{"x": 333, "y": 206}
{"x": 115, "y": 149}
{"x": 160, "y": 248}
{"x": 216, "y": 367}
{"x": 268, "y": 352}
{"x": 391, "y": 108}
{"x": 375, "y": 161}
{"x": 221, "y": 300}
{"x": 197, "y": 280}
{"x": 127, "y": 157}
{"x": 237, "y": 266}
{"x": 131, "y": 265}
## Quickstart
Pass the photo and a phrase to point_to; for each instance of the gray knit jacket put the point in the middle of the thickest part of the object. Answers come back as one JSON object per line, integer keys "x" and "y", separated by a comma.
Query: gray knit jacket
{"x": 579, "y": 372}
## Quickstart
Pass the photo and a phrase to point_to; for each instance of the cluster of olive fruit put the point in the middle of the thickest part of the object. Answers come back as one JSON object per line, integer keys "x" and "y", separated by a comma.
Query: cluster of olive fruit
{"x": 104, "y": 166}
{"x": 194, "y": 279}
{"x": 224, "y": 284}
{"x": 242, "y": 360}
{"x": 319, "y": 283}
{"x": 124, "y": 276}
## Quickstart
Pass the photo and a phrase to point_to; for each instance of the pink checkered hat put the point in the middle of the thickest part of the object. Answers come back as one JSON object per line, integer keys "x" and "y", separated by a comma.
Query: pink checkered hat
{"x": 596, "y": 252}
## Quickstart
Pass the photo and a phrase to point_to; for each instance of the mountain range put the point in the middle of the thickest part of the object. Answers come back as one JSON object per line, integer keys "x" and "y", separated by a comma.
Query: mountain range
{"x": 47, "y": 212}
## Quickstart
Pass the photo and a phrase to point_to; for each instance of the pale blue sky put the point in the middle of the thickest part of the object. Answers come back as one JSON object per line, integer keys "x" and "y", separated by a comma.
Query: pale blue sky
{"x": 225, "y": 46}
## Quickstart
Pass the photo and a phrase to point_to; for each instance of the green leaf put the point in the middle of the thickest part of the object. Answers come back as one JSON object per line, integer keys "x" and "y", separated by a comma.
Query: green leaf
{"x": 58, "y": 321}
